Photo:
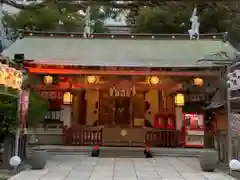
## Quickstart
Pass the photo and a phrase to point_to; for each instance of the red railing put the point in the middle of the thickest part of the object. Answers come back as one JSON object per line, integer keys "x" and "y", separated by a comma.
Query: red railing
{"x": 163, "y": 138}
{"x": 81, "y": 136}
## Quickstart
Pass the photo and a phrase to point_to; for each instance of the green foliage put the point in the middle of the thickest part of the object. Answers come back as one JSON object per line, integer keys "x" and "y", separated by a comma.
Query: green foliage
{"x": 175, "y": 19}
{"x": 48, "y": 18}
{"x": 44, "y": 18}
{"x": 8, "y": 112}
{"x": 37, "y": 110}
{"x": 162, "y": 20}
{"x": 8, "y": 115}
{"x": 71, "y": 21}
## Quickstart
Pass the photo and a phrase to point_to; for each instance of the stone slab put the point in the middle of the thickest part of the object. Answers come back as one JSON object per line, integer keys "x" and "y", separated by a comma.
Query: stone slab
{"x": 88, "y": 168}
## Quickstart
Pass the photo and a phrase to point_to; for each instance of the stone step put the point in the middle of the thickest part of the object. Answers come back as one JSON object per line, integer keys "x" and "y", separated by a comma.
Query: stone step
{"x": 67, "y": 153}
{"x": 85, "y": 150}
{"x": 121, "y": 153}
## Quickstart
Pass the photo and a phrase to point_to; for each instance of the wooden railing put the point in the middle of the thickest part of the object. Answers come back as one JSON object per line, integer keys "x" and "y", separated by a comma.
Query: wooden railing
{"x": 80, "y": 136}
{"x": 163, "y": 138}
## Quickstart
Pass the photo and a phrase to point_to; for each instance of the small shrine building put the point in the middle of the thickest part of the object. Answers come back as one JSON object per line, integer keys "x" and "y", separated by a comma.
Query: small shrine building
{"x": 124, "y": 90}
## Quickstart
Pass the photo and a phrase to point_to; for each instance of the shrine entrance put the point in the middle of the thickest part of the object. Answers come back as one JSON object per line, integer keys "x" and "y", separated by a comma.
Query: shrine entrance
{"x": 122, "y": 114}
{"x": 114, "y": 111}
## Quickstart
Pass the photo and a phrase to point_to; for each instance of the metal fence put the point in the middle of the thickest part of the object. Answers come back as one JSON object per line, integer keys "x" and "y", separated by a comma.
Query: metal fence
{"x": 222, "y": 147}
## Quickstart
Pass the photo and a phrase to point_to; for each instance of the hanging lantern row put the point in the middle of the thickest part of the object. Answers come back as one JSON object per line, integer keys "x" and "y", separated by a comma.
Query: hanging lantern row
{"x": 10, "y": 77}
{"x": 48, "y": 80}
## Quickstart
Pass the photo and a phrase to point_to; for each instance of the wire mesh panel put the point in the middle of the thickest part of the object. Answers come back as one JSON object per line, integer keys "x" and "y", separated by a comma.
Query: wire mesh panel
{"x": 235, "y": 124}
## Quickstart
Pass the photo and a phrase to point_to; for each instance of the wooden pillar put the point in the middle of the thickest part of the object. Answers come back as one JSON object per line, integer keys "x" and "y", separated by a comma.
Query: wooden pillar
{"x": 66, "y": 115}
{"x": 92, "y": 97}
{"x": 179, "y": 117}
{"x": 152, "y": 98}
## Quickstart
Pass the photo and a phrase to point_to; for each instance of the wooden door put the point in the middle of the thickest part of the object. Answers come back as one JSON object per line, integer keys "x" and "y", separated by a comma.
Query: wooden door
{"x": 122, "y": 113}
{"x": 138, "y": 103}
{"x": 106, "y": 109}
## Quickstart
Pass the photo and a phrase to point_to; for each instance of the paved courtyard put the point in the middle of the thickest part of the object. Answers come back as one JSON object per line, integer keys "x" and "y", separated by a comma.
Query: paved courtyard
{"x": 87, "y": 168}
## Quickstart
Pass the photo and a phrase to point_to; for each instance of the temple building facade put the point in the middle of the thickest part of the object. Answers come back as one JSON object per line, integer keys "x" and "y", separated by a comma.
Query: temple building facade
{"x": 123, "y": 90}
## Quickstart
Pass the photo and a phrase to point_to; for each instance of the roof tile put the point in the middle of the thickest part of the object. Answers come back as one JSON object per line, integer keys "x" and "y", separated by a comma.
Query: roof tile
{"x": 119, "y": 52}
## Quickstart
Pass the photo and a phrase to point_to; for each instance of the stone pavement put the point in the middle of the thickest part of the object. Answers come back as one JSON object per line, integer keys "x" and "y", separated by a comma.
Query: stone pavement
{"x": 74, "y": 167}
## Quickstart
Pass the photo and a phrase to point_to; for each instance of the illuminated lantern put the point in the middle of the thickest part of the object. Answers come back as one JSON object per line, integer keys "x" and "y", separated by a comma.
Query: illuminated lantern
{"x": 2, "y": 77}
{"x": 11, "y": 77}
{"x": 4, "y": 70}
{"x": 154, "y": 80}
{"x": 198, "y": 81}
{"x": 67, "y": 98}
{"x": 91, "y": 79}
{"x": 48, "y": 79}
{"x": 179, "y": 100}
{"x": 18, "y": 80}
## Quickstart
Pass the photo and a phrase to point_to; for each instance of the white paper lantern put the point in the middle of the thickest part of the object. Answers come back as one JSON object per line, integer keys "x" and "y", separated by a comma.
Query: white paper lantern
{"x": 234, "y": 165}
{"x": 15, "y": 161}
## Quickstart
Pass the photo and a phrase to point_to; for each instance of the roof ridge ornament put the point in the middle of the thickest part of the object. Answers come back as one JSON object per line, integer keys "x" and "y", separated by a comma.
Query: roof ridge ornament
{"x": 88, "y": 23}
{"x": 194, "y": 31}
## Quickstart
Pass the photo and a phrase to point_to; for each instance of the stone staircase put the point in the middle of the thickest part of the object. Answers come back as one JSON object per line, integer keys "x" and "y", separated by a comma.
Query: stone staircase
{"x": 120, "y": 151}
{"x": 177, "y": 152}
{"x": 116, "y": 152}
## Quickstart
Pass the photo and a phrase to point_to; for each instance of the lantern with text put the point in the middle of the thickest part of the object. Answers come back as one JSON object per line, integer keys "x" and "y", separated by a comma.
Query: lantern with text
{"x": 154, "y": 80}
{"x": 48, "y": 79}
{"x": 179, "y": 99}
{"x": 67, "y": 98}
{"x": 198, "y": 81}
{"x": 2, "y": 74}
{"x": 18, "y": 80}
{"x": 91, "y": 79}
{"x": 5, "y": 74}
{"x": 10, "y": 77}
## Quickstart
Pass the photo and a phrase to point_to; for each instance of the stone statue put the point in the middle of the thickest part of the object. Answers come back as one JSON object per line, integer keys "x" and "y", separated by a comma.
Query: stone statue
{"x": 194, "y": 31}
{"x": 88, "y": 23}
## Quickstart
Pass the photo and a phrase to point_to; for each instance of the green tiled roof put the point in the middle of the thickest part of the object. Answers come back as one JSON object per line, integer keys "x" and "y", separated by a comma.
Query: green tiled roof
{"x": 121, "y": 52}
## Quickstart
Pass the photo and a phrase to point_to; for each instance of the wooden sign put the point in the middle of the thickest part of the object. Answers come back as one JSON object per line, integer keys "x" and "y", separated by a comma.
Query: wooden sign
{"x": 196, "y": 98}
{"x": 51, "y": 94}
{"x": 123, "y": 89}
{"x": 117, "y": 92}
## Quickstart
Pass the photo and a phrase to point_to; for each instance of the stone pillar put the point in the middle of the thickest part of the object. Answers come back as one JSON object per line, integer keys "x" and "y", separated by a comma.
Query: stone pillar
{"x": 92, "y": 97}
{"x": 66, "y": 115}
{"x": 179, "y": 117}
{"x": 152, "y": 97}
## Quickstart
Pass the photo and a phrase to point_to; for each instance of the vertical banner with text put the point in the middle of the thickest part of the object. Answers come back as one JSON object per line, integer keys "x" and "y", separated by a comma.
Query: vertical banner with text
{"x": 24, "y": 101}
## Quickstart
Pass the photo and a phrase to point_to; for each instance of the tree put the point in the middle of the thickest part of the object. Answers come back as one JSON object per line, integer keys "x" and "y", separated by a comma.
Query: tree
{"x": 37, "y": 110}
{"x": 162, "y": 20}
{"x": 174, "y": 18}
{"x": 52, "y": 17}
{"x": 44, "y": 18}
{"x": 8, "y": 112}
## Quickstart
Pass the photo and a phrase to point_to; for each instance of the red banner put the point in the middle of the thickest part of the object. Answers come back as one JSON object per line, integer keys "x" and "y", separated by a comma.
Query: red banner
{"x": 24, "y": 101}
